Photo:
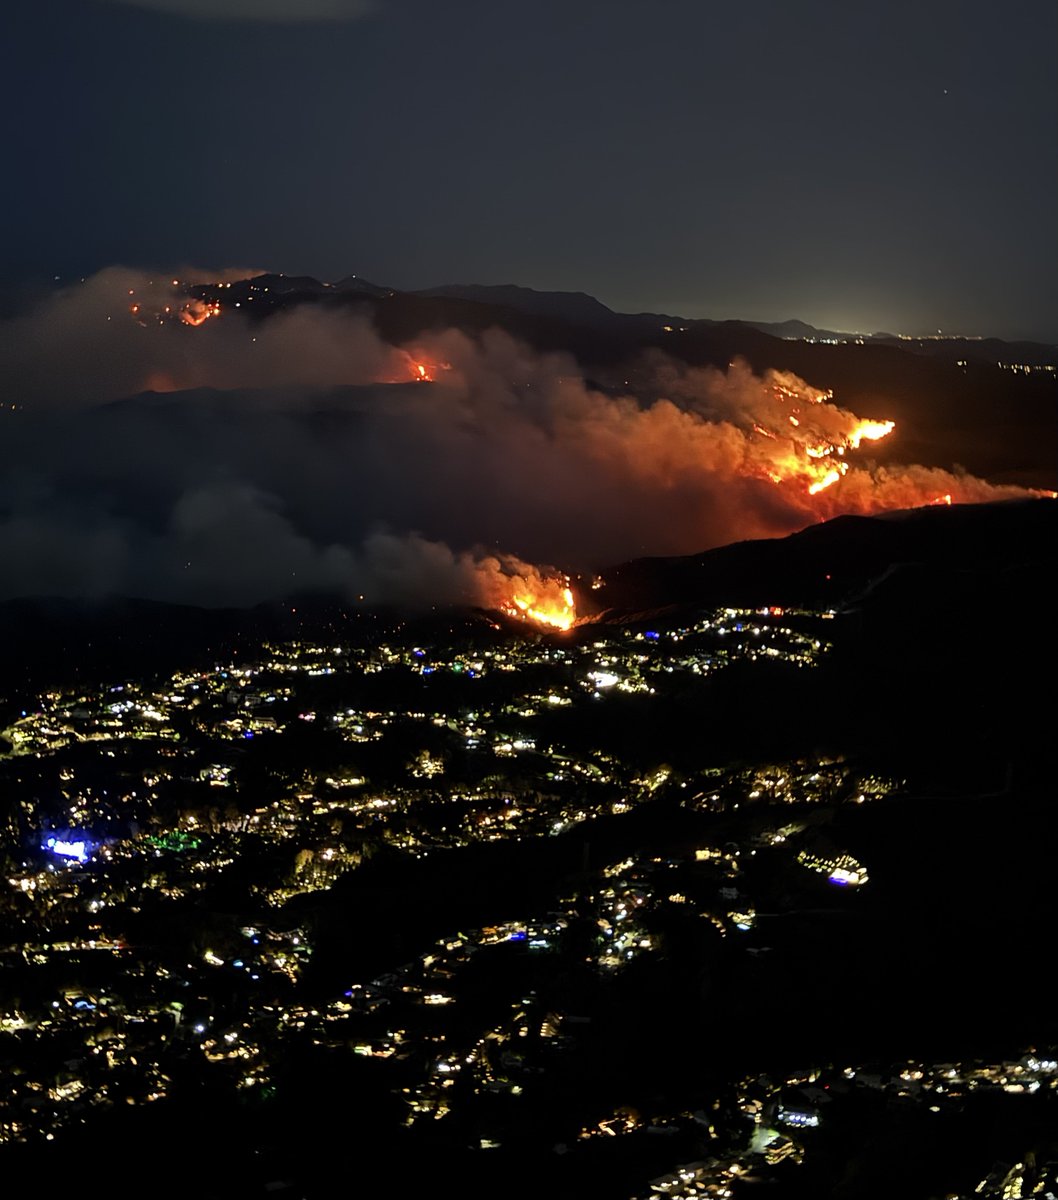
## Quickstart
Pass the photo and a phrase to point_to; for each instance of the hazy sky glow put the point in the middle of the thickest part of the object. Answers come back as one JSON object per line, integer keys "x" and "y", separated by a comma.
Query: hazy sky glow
{"x": 888, "y": 166}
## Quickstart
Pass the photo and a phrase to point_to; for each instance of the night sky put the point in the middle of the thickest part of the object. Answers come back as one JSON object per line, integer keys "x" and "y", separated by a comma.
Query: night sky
{"x": 856, "y": 166}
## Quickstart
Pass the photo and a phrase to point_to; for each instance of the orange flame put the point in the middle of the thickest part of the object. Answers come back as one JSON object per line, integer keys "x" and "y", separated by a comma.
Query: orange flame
{"x": 870, "y": 431}
{"x": 945, "y": 499}
{"x": 801, "y": 436}
{"x": 832, "y": 476}
{"x": 418, "y": 366}
{"x": 197, "y": 312}
{"x": 545, "y": 601}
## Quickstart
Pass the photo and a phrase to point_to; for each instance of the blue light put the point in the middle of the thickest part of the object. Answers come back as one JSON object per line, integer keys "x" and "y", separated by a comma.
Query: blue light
{"x": 248, "y": 733}
{"x": 520, "y": 936}
{"x": 652, "y": 635}
{"x": 839, "y": 881}
{"x": 68, "y": 848}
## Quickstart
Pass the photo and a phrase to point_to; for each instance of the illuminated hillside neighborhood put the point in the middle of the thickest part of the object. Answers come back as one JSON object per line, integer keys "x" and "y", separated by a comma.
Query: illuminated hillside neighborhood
{"x": 414, "y": 858}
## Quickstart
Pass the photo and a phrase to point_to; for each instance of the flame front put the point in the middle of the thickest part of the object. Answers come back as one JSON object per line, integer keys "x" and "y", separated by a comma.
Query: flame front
{"x": 832, "y": 476}
{"x": 801, "y": 435}
{"x": 546, "y": 601}
{"x": 197, "y": 312}
{"x": 870, "y": 431}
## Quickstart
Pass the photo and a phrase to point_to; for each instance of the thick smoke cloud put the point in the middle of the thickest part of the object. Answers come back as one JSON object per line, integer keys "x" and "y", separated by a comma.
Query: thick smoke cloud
{"x": 297, "y": 453}
{"x": 86, "y": 346}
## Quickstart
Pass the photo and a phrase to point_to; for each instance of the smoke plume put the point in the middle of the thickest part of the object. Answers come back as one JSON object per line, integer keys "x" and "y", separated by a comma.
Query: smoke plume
{"x": 154, "y": 448}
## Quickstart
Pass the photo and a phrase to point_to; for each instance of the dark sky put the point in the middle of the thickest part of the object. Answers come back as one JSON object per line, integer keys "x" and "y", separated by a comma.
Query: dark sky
{"x": 888, "y": 166}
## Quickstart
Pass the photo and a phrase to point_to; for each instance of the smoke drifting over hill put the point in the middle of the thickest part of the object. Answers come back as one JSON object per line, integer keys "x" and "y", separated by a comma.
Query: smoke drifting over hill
{"x": 303, "y": 451}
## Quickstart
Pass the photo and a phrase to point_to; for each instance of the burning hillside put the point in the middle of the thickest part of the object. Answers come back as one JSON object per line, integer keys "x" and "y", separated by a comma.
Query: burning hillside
{"x": 292, "y": 449}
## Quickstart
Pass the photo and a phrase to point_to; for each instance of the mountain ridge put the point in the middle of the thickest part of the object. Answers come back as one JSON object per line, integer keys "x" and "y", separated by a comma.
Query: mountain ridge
{"x": 581, "y": 308}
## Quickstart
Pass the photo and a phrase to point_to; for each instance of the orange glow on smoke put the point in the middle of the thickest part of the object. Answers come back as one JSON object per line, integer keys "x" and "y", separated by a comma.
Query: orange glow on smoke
{"x": 807, "y": 436}
{"x": 870, "y": 431}
{"x": 418, "y": 366}
{"x": 832, "y": 476}
{"x": 544, "y": 601}
{"x": 197, "y": 312}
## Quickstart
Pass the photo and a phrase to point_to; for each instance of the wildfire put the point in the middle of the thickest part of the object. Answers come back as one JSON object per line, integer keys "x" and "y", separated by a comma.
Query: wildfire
{"x": 786, "y": 387}
{"x": 832, "y": 476}
{"x": 550, "y": 602}
{"x": 863, "y": 431}
{"x": 197, "y": 312}
{"x": 870, "y": 431}
{"x": 160, "y": 306}
{"x": 418, "y": 366}
{"x": 801, "y": 435}
{"x": 945, "y": 499}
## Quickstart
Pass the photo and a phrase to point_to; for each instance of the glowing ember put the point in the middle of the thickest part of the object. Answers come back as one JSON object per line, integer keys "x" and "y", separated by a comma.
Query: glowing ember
{"x": 418, "y": 366}
{"x": 197, "y": 312}
{"x": 162, "y": 304}
{"x": 786, "y": 387}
